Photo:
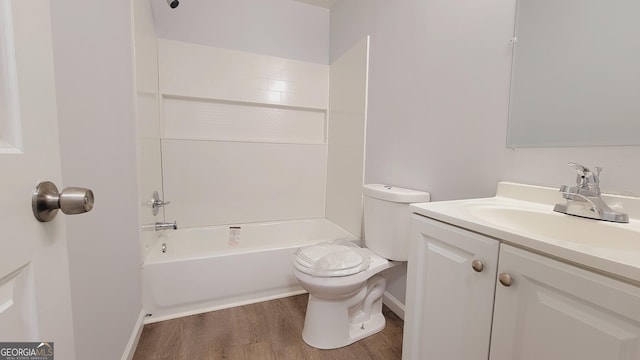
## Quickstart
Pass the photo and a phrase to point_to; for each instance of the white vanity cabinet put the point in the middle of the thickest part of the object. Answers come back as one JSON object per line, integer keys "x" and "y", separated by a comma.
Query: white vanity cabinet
{"x": 450, "y": 285}
{"x": 553, "y": 310}
{"x": 543, "y": 308}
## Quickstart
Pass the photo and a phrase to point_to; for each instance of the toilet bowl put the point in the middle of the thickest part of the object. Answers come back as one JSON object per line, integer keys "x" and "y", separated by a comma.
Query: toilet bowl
{"x": 344, "y": 309}
{"x": 344, "y": 280}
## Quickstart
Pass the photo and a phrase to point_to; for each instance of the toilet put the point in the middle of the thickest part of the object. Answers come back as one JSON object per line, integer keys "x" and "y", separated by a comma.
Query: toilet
{"x": 343, "y": 279}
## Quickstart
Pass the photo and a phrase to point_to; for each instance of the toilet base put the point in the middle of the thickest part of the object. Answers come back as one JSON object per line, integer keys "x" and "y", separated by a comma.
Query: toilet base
{"x": 360, "y": 331}
{"x": 331, "y": 324}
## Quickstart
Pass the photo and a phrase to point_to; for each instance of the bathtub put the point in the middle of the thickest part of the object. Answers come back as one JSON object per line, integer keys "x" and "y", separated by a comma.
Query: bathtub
{"x": 211, "y": 268}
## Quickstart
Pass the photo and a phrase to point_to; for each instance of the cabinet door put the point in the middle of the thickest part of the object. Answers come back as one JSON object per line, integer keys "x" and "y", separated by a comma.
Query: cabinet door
{"x": 556, "y": 311}
{"x": 449, "y": 304}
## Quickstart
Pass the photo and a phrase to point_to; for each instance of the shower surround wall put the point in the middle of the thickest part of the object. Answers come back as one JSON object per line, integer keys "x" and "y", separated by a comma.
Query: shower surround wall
{"x": 246, "y": 140}
{"x": 244, "y": 136}
{"x": 148, "y": 121}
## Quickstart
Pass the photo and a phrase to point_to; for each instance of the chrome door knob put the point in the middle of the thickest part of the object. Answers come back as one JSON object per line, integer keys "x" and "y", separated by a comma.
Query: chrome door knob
{"x": 477, "y": 265}
{"x": 46, "y": 200}
{"x": 505, "y": 279}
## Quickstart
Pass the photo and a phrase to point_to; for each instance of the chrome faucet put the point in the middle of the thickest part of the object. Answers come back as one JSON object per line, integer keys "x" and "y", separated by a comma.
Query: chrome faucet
{"x": 584, "y": 199}
{"x": 166, "y": 226}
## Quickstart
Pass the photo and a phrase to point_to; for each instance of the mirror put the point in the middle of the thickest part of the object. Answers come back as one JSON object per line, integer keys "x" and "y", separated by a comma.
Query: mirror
{"x": 575, "y": 74}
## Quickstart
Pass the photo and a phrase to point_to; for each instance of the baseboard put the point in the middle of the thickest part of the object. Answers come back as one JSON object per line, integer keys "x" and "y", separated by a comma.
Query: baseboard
{"x": 393, "y": 304}
{"x": 204, "y": 309}
{"x": 135, "y": 337}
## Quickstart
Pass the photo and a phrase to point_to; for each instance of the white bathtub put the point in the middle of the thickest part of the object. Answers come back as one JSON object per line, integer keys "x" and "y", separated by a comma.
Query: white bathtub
{"x": 204, "y": 269}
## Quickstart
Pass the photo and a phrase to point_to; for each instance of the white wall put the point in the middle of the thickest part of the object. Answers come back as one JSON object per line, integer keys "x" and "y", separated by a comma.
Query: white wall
{"x": 93, "y": 57}
{"x": 282, "y": 28}
{"x": 438, "y": 101}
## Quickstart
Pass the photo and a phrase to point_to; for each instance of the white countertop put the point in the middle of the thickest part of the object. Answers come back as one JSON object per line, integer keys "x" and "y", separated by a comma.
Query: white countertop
{"x": 607, "y": 247}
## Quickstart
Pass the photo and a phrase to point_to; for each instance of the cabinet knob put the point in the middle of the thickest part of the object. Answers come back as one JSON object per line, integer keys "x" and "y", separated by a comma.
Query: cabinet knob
{"x": 477, "y": 265}
{"x": 505, "y": 279}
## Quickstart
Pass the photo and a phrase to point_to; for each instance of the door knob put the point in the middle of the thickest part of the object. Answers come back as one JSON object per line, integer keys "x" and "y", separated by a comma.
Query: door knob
{"x": 46, "y": 200}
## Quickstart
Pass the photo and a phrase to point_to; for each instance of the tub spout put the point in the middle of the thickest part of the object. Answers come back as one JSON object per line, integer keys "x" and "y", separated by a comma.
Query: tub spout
{"x": 166, "y": 226}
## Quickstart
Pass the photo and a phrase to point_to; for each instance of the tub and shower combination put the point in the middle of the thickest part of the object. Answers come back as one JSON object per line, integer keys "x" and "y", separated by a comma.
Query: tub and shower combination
{"x": 194, "y": 270}
{"x": 246, "y": 148}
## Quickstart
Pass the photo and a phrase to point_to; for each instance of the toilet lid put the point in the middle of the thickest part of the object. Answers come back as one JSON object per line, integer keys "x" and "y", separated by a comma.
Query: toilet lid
{"x": 331, "y": 260}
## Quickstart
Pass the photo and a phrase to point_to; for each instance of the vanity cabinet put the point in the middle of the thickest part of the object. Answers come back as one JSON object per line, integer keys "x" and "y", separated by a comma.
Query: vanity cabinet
{"x": 450, "y": 286}
{"x": 543, "y": 308}
{"x": 553, "y": 310}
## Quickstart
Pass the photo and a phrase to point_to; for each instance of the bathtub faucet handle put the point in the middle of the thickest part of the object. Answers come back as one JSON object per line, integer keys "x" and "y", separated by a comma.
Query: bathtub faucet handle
{"x": 160, "y": 203}
{"x": 156, "y": 203}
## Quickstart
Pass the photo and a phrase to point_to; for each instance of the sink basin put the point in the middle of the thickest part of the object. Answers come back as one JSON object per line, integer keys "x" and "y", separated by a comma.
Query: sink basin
{"x": 522, "y": 215}
{"x": 557, "y": 226}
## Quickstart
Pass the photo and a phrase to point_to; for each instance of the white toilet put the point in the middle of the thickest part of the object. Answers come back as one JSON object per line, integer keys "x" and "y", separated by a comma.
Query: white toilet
{"x": 343, "y": 280}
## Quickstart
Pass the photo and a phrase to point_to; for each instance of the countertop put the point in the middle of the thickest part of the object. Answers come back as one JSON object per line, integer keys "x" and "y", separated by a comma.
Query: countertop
{"x": 610, "y": 248}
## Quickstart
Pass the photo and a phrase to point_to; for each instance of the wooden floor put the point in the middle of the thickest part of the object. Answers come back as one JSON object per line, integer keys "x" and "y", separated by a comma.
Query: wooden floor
{"x": 267, "y": 330}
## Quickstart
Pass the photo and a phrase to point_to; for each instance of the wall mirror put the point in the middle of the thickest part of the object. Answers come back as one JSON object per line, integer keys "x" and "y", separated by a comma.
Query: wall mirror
{"x": 575, "y": 74}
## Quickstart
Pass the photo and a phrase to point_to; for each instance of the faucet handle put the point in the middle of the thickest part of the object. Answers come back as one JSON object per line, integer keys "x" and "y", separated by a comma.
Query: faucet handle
{"x": 156, "y": 203}
{"x": 586, "y": 179}
{"x": 580, "y": 169}
{"x": 598, "y": 171}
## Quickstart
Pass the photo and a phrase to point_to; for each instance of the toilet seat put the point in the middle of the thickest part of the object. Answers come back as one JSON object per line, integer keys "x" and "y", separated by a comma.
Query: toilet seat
{"x": 331, "y": 260}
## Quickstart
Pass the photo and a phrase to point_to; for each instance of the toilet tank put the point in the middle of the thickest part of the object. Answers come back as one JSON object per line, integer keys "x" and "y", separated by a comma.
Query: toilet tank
{"x": 387, "y": 219}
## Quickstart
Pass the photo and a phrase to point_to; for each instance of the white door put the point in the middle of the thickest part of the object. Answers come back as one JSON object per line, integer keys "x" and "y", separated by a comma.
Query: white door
{"x": 555, "y": 311}
{"x": 450, "y": 286}
{"x": 34, "y": 279}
